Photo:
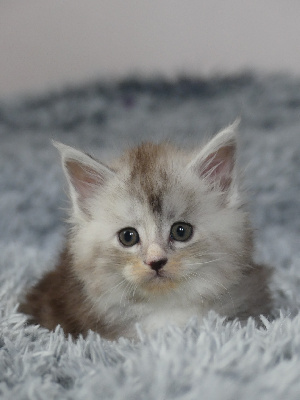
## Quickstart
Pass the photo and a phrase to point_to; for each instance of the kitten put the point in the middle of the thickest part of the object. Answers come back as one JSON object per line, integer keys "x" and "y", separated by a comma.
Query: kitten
{"x": 157, "y": 237}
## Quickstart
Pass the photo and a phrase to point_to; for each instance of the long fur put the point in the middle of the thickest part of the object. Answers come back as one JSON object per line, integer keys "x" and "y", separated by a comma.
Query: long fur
{"x": 101, "y": 285}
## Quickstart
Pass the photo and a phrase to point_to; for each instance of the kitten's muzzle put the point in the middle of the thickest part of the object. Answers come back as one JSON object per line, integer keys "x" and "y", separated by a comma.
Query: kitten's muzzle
{"x": 158, "y": 264}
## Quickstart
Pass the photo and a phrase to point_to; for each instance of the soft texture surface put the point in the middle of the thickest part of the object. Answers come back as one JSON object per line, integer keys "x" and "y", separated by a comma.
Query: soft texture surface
{"x": 211, "y": 361}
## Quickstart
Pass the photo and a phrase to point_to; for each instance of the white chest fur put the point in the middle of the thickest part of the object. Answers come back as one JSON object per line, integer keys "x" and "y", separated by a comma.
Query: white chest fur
{"x": 168, "y": 316}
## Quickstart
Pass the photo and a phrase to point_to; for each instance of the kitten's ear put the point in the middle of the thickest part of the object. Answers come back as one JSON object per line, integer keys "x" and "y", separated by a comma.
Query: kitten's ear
{"x": 216, "y": 161}
{"x": 84, "y": 174}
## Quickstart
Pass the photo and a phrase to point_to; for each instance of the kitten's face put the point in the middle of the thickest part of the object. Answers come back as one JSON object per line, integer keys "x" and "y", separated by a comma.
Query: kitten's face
{"x": 164, "y": 235}
{"x": 155, "y": 226}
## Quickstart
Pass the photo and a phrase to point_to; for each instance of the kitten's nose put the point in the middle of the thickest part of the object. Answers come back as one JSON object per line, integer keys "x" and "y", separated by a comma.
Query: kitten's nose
{"x": 158, "y": 264}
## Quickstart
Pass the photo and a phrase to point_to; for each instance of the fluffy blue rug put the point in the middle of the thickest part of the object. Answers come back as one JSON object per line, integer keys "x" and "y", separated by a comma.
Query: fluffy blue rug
{"x": 210, "y": 361}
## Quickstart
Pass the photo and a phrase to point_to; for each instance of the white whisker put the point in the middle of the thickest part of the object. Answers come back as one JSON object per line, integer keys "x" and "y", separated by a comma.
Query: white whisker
{"x": 205, "y": 262}
{"x": 200, "y": 274}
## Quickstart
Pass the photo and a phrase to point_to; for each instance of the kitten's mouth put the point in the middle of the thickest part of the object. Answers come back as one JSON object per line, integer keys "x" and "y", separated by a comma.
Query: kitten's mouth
{"x": 161, "y": 275}
{"x": 159, "y": 281}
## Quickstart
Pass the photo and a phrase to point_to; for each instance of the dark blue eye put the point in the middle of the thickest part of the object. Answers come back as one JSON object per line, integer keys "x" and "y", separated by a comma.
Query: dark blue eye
{"x": 129, "y": 237}
{"x": 181, "y": 231}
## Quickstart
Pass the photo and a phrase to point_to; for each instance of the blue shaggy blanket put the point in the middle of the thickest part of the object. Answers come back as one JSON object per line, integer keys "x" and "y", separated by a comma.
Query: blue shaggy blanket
{"x": 214, "y": 360}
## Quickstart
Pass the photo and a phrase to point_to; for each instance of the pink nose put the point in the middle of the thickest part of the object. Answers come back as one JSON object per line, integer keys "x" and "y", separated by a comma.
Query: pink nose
{"x": 158, "y": 264}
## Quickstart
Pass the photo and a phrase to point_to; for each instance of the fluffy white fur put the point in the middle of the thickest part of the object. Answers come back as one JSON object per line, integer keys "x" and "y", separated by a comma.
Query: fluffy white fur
{"x": 204, "y": 273}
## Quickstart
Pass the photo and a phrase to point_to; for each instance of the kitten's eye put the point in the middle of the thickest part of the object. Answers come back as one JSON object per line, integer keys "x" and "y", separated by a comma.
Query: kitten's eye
{"x": 129, "y": 237}
{"x": 181, "y": 231}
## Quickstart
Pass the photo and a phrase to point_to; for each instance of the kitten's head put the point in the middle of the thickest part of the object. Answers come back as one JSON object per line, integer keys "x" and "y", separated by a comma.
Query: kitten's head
{"x": 159, "y": 221}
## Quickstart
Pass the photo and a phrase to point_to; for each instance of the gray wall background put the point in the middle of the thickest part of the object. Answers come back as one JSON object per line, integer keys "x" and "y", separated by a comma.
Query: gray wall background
{"x": 49, "y": 43}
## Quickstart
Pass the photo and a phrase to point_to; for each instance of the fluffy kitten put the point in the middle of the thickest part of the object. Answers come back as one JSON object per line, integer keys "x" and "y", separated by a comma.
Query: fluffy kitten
{"x": 157, "y": 237}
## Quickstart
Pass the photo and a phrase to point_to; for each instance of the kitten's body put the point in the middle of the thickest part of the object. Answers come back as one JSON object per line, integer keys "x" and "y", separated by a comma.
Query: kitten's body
{"x": 108, "y": 286}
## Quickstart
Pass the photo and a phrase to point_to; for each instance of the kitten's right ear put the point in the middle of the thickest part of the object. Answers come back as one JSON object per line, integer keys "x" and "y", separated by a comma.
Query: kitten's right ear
{"x": 84, "y": 174}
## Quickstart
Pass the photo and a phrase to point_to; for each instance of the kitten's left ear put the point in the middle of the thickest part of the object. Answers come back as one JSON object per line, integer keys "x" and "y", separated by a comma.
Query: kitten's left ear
{"x": 216, "y": 161}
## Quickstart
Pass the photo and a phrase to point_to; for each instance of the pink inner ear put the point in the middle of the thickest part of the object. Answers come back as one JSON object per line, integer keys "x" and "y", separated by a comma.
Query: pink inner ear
{"x": 83, "y": 178}
{"x": 218, "y": 166}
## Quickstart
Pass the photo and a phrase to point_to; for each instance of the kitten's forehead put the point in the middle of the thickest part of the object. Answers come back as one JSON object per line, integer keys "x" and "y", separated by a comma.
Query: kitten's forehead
{"x": 156, "y": 186}
{"x": 151, "y": 172}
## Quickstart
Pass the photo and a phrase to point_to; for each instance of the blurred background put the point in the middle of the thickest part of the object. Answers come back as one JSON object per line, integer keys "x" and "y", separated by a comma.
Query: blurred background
{"x": 47, "y": 44}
